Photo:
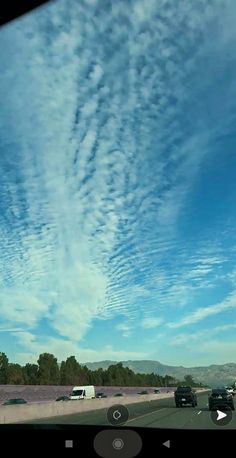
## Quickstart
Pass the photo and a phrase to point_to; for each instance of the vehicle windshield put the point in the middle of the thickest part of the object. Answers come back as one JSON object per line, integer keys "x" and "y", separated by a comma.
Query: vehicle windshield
{"x": 77, "y": 393}
{"x": 183, "y": 388}
{"x": 222, "y": 391}
{"x": 17, "y": 400}
{"x": 118, "y": 212}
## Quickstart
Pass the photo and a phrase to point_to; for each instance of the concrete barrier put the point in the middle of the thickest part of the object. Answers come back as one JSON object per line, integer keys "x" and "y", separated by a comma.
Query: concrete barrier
{"x": 23, "y": 413}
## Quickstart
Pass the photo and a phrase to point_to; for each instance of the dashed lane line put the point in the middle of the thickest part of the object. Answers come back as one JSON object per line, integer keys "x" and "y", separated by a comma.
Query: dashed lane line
{"x": 145, "y": 415}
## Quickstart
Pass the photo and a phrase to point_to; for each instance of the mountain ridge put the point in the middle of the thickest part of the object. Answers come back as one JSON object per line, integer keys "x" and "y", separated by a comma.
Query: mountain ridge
{"x": 214, "y": 374}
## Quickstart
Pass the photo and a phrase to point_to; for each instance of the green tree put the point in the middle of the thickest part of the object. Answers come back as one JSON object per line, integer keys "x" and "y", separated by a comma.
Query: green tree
{"x": 129, "y": 377}
{"x": 30, "y": 372}
{"x": 48, "y": 372}
{"x": 87, "y": 376}
{"x": 62, "y": 369}
{"x": 114, "y": 375}
{"x": 3, "y": 368}
{"x": 169, "y": 380}
{"x": 139, "y": 379}
{"x": 97, "y": 377}
{"x": 15, "y": 374}
{"x": 151, "y": 379}
{"x": 188, "y": 380}
{"x": 72, "y": 373}
{"x": 69, "y": 372}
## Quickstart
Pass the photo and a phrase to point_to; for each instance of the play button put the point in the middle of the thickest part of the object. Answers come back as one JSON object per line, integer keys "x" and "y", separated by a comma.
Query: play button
{"x": 221, "y": 415}
{"x": 221, "y": 418}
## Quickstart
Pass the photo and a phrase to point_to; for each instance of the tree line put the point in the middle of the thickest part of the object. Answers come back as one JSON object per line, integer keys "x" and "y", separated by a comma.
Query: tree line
{"x": 48, "y": 371}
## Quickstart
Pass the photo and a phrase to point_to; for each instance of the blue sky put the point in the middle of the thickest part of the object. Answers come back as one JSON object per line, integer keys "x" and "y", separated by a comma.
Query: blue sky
{"x": 117, "y": 160}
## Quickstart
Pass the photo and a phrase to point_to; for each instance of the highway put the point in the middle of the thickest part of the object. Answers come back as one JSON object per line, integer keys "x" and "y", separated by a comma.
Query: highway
{"x": 154, "y": 414}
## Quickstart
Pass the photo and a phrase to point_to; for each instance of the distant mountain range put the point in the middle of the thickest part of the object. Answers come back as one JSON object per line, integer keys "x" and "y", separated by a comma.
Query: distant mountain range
{"x": 214, "y": 375}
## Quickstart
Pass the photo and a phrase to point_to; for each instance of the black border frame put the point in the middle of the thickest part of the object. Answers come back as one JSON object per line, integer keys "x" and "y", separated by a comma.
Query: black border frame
{"x": 12, "y": 9}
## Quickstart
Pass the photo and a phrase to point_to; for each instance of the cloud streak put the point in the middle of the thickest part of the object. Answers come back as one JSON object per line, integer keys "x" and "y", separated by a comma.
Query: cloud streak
{"x": 151, "y": 322}
{"x": 201, "y": 313}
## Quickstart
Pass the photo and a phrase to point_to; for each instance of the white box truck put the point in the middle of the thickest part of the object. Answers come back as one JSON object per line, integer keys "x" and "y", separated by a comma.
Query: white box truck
{"x": 83, "y": 392}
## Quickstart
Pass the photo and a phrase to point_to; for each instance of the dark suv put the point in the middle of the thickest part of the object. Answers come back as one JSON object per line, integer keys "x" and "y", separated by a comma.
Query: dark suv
{"x": 185, "y": 395}
{"x": 220, "y": 399}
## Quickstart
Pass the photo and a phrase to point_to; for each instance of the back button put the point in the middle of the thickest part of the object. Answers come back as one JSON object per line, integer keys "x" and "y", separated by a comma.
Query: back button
{"x": 166, "y": 444}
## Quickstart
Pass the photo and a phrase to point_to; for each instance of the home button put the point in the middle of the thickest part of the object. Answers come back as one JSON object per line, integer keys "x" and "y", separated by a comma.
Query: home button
{"x": 117, "y": 443}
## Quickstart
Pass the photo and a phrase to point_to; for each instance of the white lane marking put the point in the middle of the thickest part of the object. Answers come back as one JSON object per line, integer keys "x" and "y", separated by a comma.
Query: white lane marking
{"x": 199, "y": 412}
{"x": 145, "y": 415}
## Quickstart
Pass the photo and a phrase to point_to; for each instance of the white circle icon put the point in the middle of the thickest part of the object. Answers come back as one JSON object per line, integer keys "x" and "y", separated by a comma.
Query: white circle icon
{"x": 118, "y": 444}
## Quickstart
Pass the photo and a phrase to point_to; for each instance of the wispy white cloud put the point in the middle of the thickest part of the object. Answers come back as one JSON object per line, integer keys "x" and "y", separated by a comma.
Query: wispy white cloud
{"x": 195, "y": 340}
{"x": 200, "y": 271}
{"x": 151, "y": 322}
{"x": 204, "y": 312}
{"x": 187, "y": 339}
{"x": 125, "y": 329}
{"x": 21, "y": 307}
{"x": 219, "y": 351}
{"x": 231, "y": 276}
{"x": 224, "y": 327}
{"x": 208, "y": 260}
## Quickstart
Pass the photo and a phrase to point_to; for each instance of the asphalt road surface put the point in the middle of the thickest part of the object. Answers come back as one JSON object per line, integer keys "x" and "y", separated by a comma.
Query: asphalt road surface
{"x": 154, "y": 414}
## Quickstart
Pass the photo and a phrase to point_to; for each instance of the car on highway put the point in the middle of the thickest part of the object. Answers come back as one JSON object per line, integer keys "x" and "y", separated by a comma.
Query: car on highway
{"x": 156, "y": 391}
{"x": 185, "y": 395}
{"x": 11, "y": 402}
{"x": 219, "y": 398}
{"x": 101, "y": 395}
{"x": 63, "y": 398}
{"x": 83, "y": 392}
{"x": 230, "y": 389}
